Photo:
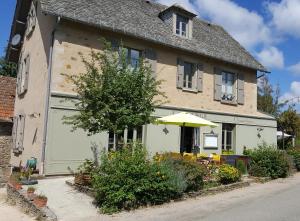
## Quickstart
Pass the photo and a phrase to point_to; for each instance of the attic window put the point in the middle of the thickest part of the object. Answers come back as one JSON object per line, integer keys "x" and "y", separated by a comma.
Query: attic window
{"x": 182, "y": 26}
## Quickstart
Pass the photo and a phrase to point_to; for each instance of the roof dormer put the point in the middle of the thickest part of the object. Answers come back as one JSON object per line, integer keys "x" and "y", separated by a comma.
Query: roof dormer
{"x": 179, "y": 19}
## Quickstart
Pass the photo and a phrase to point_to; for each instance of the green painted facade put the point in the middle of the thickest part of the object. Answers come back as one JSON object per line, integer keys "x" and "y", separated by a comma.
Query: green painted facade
{"x": 66, "y": 149}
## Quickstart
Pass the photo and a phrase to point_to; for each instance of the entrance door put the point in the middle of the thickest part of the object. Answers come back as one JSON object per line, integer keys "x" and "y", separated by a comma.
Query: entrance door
{"x": 187, "y": 139}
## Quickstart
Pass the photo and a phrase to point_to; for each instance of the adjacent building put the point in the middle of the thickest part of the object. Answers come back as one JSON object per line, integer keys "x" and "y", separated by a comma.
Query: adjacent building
{"x": 7, "y": 97}
{"x": 204, "y": 71}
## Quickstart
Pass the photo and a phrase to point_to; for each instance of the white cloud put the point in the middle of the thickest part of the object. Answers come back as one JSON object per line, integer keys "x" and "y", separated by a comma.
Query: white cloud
{"x": 286, "y": 16}
{"x": 293, "y": 94}
{"x": 184, "y": 3}
{"x": 247, "y": 27}
{"x": 271, "y": 57}
{"x": 295, "y": 69}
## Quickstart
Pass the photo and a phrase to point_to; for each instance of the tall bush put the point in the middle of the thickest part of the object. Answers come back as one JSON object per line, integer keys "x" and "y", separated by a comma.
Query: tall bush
{"x": 268, "y": 161}
{"x": 127, "y": 179}
{"x": 295, "y": 153}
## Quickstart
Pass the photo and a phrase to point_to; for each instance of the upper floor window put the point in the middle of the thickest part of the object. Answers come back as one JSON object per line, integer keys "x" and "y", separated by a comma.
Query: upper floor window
{"x": 23, "y": 75}
{"x": 228, "y": 80}
{"x": 31, "y": 19}
{"x": 182, "y": 26}
{"x": 132, "y": 57}
{"x": 188, "y": 75}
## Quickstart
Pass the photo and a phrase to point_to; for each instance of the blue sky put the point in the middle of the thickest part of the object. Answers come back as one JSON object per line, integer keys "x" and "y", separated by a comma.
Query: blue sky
{"x": 270, "y": 30}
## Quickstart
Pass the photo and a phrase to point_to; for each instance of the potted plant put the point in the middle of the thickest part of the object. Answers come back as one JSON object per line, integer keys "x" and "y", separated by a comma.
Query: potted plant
{"x": 30, "y": 191}
{"x": 83, "y": 176}
{"x": 14, "y": 180}
{"x": 40, "y": 201}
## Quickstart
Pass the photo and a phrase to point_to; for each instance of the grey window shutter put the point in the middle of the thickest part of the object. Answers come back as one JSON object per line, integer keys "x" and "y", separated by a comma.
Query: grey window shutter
{"x": 14, "y": 134}
{"x": 199, "y": 77}
{"x": 151, "y": 59}
{"x": 26, "y": 77}
{"x": 240, "y": 91}
{"x": 19, "y": 74}
{"x": 218, "y": 84}
{"x": 115, "y": 44}
{"x": 21, "y": 126}
{"x": 180, "y": 72}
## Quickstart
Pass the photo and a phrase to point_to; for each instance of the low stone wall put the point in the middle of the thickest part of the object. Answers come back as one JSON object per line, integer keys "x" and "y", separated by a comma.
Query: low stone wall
{"x": 5, "y": 151}
{"x": 20, "y": 199}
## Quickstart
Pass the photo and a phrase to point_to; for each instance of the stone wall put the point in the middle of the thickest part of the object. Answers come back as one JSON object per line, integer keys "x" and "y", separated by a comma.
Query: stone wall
{"x": 5, "y": 151}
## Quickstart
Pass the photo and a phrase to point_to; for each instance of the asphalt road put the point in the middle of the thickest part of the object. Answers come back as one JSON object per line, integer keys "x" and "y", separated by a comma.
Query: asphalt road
{"x": 282, "y": 205}
{"x": 278, "y": 200}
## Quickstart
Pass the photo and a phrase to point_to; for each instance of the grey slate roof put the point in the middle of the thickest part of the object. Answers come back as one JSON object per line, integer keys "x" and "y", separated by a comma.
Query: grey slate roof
{"x": 140, "y": 19}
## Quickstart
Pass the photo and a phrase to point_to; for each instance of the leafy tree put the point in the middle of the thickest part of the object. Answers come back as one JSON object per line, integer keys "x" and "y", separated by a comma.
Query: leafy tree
{"x": 7, "y": 68}
{"x": 268, "y": 98}
{"x": 289, "y": 121}
{"x": 112, "y": 94}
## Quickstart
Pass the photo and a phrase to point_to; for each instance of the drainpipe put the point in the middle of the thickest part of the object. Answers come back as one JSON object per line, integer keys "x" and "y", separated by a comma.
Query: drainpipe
{"x": 48, "y": 94}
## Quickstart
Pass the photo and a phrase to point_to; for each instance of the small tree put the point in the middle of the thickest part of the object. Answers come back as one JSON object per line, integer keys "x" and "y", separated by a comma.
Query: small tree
{"x": 268, "y": 98}
{"x": 112, "y": 94}
{"x": 8, "y": 68}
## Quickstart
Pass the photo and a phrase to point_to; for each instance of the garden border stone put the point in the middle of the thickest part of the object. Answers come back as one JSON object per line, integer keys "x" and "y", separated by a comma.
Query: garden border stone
{"x": 20, "y": 199}
{"x": 210, "y": 191}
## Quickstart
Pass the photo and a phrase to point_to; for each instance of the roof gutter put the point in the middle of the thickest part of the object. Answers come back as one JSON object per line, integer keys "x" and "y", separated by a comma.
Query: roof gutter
{"x": 50, "y": 62}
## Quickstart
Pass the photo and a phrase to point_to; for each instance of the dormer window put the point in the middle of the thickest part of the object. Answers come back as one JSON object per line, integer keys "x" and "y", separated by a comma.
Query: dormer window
{"x": 179, "y": 20}
{"x": 182, "y": 26}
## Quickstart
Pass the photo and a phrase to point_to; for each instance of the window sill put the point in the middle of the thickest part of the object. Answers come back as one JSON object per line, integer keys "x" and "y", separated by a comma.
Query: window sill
{"x": 233, "y": 103}
{"x": 189, "y": 90}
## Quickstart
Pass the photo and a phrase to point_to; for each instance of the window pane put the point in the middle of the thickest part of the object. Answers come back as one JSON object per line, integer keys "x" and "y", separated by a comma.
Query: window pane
{"x": 139, "y": 134}
{"x": 223, "y": 139}
{"x": 135, "y": 56}
{"x": 188, "y": 75}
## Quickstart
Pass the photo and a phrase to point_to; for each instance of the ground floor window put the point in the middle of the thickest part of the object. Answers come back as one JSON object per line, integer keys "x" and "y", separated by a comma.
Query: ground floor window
{"x": 127, "y": 136}
{"x": 227, "y": 136}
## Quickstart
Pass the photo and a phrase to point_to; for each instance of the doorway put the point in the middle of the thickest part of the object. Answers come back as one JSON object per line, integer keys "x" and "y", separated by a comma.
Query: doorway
{"x": 187, "y": 139}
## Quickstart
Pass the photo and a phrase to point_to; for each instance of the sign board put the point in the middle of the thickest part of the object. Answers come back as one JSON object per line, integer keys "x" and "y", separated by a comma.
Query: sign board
{"x": 211, "y": 141}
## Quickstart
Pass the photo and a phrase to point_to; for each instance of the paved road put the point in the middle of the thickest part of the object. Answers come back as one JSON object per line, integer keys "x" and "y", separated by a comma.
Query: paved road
{"x": 278, "y": 200}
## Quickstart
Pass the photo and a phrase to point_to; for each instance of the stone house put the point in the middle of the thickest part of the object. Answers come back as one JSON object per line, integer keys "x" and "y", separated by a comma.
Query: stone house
{"x": 205, "y": 71}
{"x": 7, "y": 98}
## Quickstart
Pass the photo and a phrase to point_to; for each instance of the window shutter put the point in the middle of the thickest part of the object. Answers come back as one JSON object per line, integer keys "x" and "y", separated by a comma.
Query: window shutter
{"x": 115, "y": 44}
{"x": 151, "y": 59}
{"x": 180, "y": 71}
{"x": 218, "y": 84}
{"x": 21, "y": 126}
{"x": 199, "y": 77}
{"x": 19, "y": 75}
{"x": 26, "y": 77}
{"x": 14, "y": 134}
{"x": 240, "y": 91}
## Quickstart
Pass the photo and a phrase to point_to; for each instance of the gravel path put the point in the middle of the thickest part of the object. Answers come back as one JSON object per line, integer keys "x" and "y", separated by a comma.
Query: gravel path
{"x": 10, "y": 213}
{"x": 277, "y": 200}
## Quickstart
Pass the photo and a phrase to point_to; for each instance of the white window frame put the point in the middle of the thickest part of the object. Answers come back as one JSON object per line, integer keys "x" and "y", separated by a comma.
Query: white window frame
{"x": 180, "y": 20}
{"x": 224, "y": 136}
{"x": 226, "y": 96}
{"x": 128, "y": 55}
{"x": 186, "y": 76}
{"x": 112, "y": 141}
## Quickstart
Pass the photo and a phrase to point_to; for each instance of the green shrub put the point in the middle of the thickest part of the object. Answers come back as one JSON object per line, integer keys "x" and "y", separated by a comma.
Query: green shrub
{"x": 240, "y": 165}
{"x": 193, "y": 173}
{"x": 228, "y": 174}
{"x": 295, "y": 153}
{"x": 267, "y": 161}
{"x": 127, "y": 179}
